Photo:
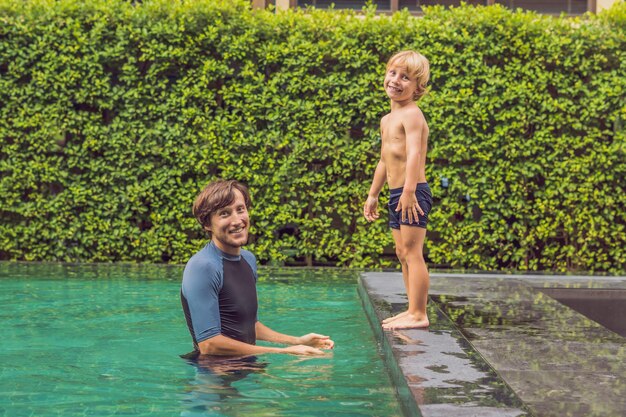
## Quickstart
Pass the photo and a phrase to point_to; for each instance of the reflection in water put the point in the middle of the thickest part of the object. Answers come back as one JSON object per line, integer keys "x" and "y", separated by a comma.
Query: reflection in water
{"x": 562, "y": 362}
{"x": 441, "y": 368}
{"x": 604, "y": 306}
{"x": 214, "y": 379}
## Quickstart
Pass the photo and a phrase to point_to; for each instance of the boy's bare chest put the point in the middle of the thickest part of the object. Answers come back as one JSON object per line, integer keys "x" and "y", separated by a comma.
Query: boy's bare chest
{"x": 392, "y": 130}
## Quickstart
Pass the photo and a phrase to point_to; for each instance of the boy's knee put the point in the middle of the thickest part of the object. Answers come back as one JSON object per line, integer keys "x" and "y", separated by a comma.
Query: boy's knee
{"x": 414, "y": 257}
{"x": 401, "y": 254}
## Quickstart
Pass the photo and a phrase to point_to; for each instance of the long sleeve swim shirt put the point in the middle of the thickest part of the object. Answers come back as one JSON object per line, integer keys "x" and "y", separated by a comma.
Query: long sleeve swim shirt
{"x": 219, "y": 296}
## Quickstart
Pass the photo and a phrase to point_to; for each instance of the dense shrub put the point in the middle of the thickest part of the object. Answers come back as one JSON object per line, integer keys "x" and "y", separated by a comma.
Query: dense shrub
{"x": 113, "y": 115}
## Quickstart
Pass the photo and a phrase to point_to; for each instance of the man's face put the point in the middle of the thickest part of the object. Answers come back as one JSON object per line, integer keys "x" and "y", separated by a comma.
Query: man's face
{"x": 229, "y": 226}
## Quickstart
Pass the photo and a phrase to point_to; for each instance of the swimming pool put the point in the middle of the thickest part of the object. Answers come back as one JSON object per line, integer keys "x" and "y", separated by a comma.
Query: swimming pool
{"x": 104, "y": 340}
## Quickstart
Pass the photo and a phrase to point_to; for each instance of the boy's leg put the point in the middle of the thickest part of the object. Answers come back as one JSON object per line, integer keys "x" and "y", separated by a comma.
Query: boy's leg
{"x": 400, "y": 253}
{"x": 418, "y": 280}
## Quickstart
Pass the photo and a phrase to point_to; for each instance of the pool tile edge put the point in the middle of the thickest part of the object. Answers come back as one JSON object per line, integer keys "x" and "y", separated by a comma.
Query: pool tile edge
{"x": 407, "y": 401}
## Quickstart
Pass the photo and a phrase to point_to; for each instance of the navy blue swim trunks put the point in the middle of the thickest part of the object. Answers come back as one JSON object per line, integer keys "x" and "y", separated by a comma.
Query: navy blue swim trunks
{"x": 424, "y": 199}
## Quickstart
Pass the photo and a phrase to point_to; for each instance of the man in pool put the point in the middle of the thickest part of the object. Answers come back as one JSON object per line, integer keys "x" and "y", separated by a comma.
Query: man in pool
{"x": 219, "y": 283}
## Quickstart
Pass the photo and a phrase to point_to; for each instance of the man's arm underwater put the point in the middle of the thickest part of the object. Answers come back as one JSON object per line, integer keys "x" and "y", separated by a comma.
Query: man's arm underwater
{"x": 311, "y": 339}
{"x": 225, "y": 346}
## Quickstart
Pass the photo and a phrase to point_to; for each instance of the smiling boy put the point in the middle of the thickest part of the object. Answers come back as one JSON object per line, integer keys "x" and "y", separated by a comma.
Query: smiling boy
{"x": 219, "y": 283}
{"x": 402, "y": 165}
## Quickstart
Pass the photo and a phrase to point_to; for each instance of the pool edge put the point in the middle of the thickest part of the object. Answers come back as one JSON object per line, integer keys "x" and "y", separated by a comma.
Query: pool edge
{"x": 406, "y": 399}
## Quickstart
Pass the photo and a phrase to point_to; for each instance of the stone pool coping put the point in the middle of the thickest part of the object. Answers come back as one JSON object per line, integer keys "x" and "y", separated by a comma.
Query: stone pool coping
{"x": 510, "y": 351}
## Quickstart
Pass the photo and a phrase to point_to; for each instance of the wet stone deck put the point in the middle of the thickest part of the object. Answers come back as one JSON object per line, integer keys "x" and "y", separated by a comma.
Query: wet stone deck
{"x": 500, "y": 345}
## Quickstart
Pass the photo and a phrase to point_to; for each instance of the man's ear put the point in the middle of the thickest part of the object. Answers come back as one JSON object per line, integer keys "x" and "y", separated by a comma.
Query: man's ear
{"x": 207, "y": 229}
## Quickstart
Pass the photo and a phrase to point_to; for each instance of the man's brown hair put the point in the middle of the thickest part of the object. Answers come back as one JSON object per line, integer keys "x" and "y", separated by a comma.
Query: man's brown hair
{"x": 217, "y": 195}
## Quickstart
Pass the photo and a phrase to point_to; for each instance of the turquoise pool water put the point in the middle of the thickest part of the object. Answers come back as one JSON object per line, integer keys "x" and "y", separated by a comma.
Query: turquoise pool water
{"x": 104, "y": 341}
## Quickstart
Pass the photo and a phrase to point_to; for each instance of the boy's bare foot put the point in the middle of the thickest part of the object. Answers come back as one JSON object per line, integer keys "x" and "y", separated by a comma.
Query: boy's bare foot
{"x": 397, "y": 316}
{"x": 407, "y": 322}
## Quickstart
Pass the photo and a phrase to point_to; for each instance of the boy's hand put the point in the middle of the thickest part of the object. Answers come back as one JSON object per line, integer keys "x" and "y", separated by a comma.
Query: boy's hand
{"x": 370, "y": 209}
{"x": 410, "y": 207}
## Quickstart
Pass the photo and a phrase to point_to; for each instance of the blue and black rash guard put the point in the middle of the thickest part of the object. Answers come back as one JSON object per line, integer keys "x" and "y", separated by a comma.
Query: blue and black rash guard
{"x": 219, "y": 295}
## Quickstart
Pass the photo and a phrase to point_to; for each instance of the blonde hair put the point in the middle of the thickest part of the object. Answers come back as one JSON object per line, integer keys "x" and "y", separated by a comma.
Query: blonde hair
{"x": 417, "y": 66}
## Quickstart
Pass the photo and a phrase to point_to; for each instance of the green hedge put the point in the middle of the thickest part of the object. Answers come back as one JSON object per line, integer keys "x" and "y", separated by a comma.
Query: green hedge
{"x": 114, "y": 115}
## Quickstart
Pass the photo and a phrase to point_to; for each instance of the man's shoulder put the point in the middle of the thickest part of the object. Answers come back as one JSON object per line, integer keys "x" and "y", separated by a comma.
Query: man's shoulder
{"x": 247, "y": 252}
{"x": 203, "y": 260}
{"x": 249, "y": 257}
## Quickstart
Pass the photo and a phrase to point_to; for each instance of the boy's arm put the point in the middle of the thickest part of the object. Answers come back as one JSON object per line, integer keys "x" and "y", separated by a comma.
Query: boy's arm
{"x": 413, "y": 128}
{"x": 380, "y": 177}
{"x": 370, "y": 208}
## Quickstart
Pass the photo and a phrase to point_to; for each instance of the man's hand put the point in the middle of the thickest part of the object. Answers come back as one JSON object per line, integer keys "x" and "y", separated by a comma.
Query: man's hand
{"x": 409, "y": 207}
{"x": 316, "y": 340}
{"x": 370, "y": 209}
{"x": 302, "y": 350}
